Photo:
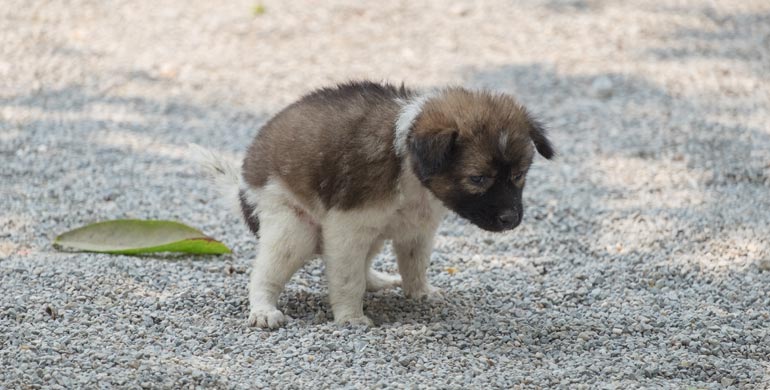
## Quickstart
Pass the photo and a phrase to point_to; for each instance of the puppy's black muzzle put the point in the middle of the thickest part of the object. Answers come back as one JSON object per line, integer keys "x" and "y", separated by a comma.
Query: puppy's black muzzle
{"x": 509, "y": 219}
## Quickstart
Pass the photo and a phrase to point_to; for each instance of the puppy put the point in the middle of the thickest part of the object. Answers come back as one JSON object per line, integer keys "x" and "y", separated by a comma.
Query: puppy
{"x": 345, "y": 168}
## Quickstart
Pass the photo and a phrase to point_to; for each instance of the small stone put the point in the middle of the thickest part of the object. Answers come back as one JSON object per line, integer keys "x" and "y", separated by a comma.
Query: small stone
{"x": 617, "y": 331}
{"x": 51, "y": 311}
{"x": 404, "y": 361}
{"x": 726, "y": 381}
{"x": 602, "y": 87}
{"x": 764, "y": 264}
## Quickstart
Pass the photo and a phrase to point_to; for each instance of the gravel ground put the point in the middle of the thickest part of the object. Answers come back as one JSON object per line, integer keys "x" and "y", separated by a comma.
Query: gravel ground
{"x": 643, "y": 260}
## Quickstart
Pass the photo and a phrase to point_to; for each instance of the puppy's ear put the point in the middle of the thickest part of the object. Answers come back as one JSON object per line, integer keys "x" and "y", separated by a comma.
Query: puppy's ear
{"x": 537, "y": 133}
{"x": 431, "y": 152}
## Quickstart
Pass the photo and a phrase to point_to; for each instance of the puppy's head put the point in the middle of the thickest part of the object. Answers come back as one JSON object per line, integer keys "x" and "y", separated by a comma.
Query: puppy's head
{"x": 472, "y": 150}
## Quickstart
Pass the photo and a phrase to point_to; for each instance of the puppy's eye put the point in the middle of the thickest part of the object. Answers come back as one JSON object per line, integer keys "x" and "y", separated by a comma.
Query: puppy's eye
{"x": 479, "y": 180}
{"x": 518, "y": 176}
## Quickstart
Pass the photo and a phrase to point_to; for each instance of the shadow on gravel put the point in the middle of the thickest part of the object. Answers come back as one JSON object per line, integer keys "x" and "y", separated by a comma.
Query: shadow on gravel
{"x": 575, "y": 6}
{"x": 604, "y": 144}
{"x": 131, "y": 150}
{"x": 83, "y": 114}
{"x": 732, "y": 36}
{"x": 385, "y": 308}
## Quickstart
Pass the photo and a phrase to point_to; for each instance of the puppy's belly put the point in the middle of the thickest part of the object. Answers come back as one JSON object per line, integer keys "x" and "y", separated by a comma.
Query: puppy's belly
{"x": 413, "y": 215}
{"x": 384, "y": 224}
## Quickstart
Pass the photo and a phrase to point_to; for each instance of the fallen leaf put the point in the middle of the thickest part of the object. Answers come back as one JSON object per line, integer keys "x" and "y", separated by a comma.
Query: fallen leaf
{"x": 133, "y": 236}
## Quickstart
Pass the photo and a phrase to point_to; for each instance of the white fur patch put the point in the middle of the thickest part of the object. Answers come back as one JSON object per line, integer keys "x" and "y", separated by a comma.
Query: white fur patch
{"x": 410, "y": 109}
{"x": 503, "y": 142}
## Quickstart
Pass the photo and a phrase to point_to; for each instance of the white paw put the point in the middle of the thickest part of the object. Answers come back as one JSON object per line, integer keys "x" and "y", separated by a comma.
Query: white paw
{"x": 267, "y": 318}
{"x": 376, "y": 280}
{"x": 355, "y": 321}
{"x": 425, "y": 291}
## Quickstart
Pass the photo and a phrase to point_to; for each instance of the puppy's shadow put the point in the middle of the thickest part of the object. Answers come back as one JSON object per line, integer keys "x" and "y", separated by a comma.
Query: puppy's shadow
{"x": 383, "y": 307}
{"x": 391, "y": 306}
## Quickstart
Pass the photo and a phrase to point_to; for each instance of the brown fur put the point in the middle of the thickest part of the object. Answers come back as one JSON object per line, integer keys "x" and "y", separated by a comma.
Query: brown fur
{"x": 334, "y": 145}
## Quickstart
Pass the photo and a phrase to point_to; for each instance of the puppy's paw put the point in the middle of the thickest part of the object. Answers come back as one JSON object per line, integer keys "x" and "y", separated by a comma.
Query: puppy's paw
{"x": 355, "y": 321}
{"x": 376, "y": 280}
{"x": 267, "y": 318}
{"x": 424, "y": 292}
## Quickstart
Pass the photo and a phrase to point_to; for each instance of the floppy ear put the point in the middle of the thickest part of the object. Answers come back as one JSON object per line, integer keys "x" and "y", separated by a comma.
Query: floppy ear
{"x": 538, "y": 135}
{"x": 431, "y": 152}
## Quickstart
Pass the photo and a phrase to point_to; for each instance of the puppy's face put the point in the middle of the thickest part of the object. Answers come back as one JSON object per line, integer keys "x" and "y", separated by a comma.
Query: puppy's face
{"x": 472, "y": 150}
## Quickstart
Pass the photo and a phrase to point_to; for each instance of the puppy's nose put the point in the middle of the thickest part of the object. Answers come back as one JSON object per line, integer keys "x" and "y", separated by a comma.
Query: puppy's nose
{"x": 507, "y": 218}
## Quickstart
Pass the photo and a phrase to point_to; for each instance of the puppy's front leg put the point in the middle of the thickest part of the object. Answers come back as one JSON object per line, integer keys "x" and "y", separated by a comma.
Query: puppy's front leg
{"x": 345, "y": 247}
{"x": 413, "y": 256}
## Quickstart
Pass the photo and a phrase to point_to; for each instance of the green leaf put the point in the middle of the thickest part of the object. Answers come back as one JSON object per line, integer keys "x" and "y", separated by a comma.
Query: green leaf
{"x": 133, "y": 236}
{"x": 258, "y": 9}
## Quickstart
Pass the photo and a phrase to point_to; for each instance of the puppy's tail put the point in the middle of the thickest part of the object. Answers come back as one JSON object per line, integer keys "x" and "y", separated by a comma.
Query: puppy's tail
{"x": 222, "y": 174}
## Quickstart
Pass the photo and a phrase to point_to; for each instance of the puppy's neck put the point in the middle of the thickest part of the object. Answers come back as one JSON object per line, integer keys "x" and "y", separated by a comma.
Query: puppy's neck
{"x": 410, "y": 110}
{"x": 412, "y": 192}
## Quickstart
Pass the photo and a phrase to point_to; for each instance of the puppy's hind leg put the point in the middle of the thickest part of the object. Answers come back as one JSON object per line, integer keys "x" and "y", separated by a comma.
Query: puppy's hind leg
{"x": 376, "y": 280}
{"x": 286, "y": 242}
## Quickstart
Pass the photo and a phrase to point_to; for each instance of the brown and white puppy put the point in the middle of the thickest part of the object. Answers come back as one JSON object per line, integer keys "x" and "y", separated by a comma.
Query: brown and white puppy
{"x": 345, "y": 168}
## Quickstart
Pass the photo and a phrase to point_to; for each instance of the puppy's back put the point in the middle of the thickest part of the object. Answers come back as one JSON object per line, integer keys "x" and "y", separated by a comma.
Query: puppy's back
{"x": 335, "y": 145}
